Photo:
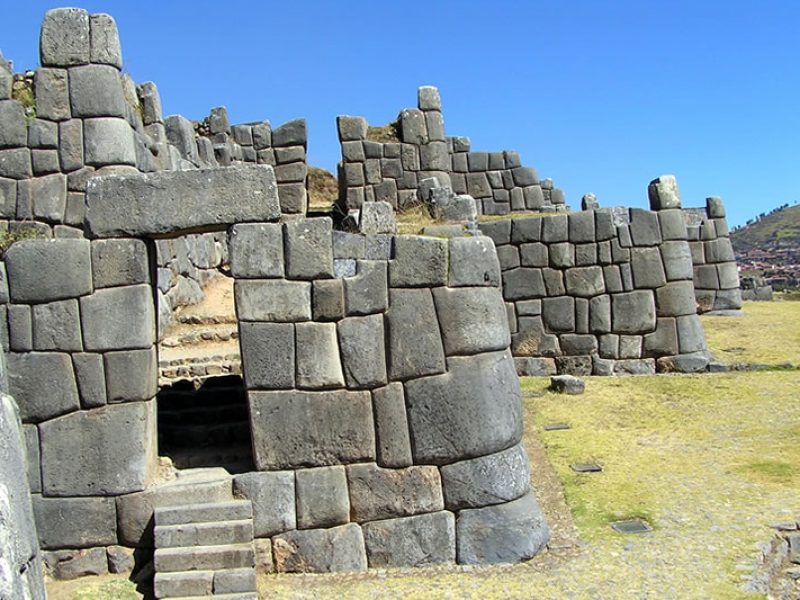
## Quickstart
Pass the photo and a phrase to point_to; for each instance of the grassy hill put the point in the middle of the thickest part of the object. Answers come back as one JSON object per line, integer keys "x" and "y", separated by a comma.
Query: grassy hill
{"x": 780, "y": 228}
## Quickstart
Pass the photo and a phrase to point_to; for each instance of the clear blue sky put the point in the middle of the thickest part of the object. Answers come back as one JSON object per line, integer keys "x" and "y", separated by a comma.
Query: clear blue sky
{"x": 600, "y": 96}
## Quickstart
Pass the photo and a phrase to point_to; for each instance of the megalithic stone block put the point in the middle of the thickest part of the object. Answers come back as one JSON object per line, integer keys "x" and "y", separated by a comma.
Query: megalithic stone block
{"x": 65, "y": 38}
{"x": 663, "y": 193}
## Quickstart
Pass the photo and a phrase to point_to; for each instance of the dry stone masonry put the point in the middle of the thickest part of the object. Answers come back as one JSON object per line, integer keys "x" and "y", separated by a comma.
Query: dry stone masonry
{"x": 393, "y": 164}
{"x": 601, "y": 291}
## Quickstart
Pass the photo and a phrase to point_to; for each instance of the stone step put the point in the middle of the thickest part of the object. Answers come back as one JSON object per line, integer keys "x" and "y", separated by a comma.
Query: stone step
{"x": 204, "y": 558}
{"x": 204, "y": 534}
{"x": 245, "y": 596}
{"x": 226, "y": 583}
{"x": 188, "y": 514}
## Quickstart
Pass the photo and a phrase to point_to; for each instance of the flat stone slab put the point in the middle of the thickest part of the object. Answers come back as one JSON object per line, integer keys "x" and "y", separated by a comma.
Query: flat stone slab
{"x": 631, "y": 526}
{"x": 167, "y": 202}
{"x": 586, "y": 468}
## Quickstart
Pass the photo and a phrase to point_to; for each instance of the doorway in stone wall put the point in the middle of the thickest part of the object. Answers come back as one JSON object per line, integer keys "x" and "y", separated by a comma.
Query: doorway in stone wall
{"x": 203, "y": 416}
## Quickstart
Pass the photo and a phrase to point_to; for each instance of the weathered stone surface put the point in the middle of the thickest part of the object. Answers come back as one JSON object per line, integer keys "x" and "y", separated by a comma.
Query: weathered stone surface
{"x": 558, "y": 313}
{"x": 486, "y": 480}
{"x": 96, "y": 91}
{"x": 415, "y": 345}
{"x": 472, "y": 410}
{"x": 119, "y": 262}
{"x": 391, "y": 426}
{"x": 71, "y": 564}
{"x": 268, "y": 355}
{"x": 22, "y": 577}
{"x": 648, "y": 269}
{"x": 104, "y": 44}
{"x": 180, "y": 133}
{"x": 111, "y": 449}
{"x": 663, "y": 341}
{"x": 473, "y": 262}
{"x": 14, "y": 130}
{"x": 45, "y": 197}
{"x": 415, "y": 541}
{"x": 562, "y": 255}
{"x": 419, "y": 261}
{"x": 322, "y": 499}
{"x": 555, "y": 229}
{"x": 362, "y": 345}
{"x": 585, "y": 282}
{"x": 91, "y": 378}
{"x": 119, "y": 318}
{"x": 291, "y": 133}
{"x": 377, "y": 493}
{"x": 109, "y": 141}
{"x": 131, "y": 375}
{"x": 309, "y": 248}
{"x": 167, "y": 202}
{"x": 56, "y": 326}
{"x": 320, "y": 550}
{"x": 677, "y": 259}
{"x": 273, "y": 496}
{"x": 715, "y": 207}
{"x": 504, "y": 533}
{"x": 256, "y": 250}
{"x": 644, "y": 227}
{"x": 663, "y": 193}
{"x": 472, "y": 320}
{"x": 273, "y": 300}
{"x": 65, "y": 39}
{"x": 534, "y": 255}
{"x": 366, "y": 292}
{"x": 637, "y": 366}
{"x": 694, "y": 362}
{"x": 676, "y": 298}
{"x": 633, "y": 312}
{"x": 691, "y": 337}
{"x": 43, "y": 385}
{"x": 498, "y": 231}
{"x": 120, "y": 559}
{"x": 15, "y": 163}
{"x": 522, "y": 283}
{"x": 318, "y": 364}
{"x": 377, "y": 217}
{"x": 673, "y": 225}
{"x": 351, "y": 128}
{"x": 47, "y": 270}
{"x": 151, "y": 103}
{"x": 75, "y": 522}
{"x": 310, "y": 429}
{"x": 33, "y": 467}
{"x": 567, "y": 384}
{"x": 327, "y": 299}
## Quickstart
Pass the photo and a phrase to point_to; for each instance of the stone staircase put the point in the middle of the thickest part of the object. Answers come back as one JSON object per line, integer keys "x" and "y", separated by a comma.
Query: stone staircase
{"x": 205, "y": 550}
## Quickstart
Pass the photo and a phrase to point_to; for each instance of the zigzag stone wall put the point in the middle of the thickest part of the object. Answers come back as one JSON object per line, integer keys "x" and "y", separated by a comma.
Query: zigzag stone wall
{"x": 390, "y": 392}
{"x": 716, "y": 275}
{"x": 600, "y": 292}
{"x": 394, "y": 171}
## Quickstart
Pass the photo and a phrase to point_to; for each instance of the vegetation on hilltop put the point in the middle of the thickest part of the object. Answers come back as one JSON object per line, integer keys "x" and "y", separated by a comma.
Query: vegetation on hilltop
{"x": 779, "y": 228}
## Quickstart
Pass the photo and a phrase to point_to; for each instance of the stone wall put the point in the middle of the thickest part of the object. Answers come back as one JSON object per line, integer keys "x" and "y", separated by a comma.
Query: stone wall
{"x": 389, "y": 392}
{"x": 79, "y": 116}
{"x": 20, "y": 560}
{"x": 600, "y": 292}
{"x": 716, "y": 274}
{"x": 391, "y": 163}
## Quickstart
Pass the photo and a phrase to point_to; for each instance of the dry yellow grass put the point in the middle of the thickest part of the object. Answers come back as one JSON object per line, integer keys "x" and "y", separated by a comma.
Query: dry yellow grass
{"x": 768, "y": 333}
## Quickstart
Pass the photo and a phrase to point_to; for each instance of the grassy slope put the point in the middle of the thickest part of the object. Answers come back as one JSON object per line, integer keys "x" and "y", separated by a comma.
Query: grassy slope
{"x": 782, "y": 227}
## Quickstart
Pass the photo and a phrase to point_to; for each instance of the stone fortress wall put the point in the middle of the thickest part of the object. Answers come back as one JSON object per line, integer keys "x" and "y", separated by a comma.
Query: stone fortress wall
{"x": 393, "y": 168}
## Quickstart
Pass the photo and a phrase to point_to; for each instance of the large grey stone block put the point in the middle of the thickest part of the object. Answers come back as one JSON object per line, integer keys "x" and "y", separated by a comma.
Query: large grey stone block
{"x": 351, "y": 128}
{"x": 498, "y": 231}
{"x": 119, "y": 262}
{"x": 43, "y": 384}
{"x": 322, "y": 499}
{"x": 65, "y": 38}
{"x": 46, "y": 197}
{"x": 320, "y": 550}
{"x": 96, "y": 91}
{"x": 673, "y": 225}
{"x": 691, "y": 337}
{"x": 309, "y": 248}
{"x": 663, "y": 193}
{"x": 508, "y": 532}
{"x": 308, "y": 429}
{"x": 75, "y": 522}
{"x": 47, "y": 270}
{"x": 273, "y": 496}
{"x": 362, "y": 345}
{"x": 523, "y": 283}
{"x": 555, "y": 229}
{"x": 419, "y": 261}
{"x": 633, "y": 312}
{"x": 101, "y": 452}
{"x": 328, "y": 299}
{"x": 415, "y": 541}
{"x": 366, "y": 292}
{"x": 648, "y": 268}
{"x": 391, "y": 426}
{"x": 585, "y": 282}
{"x": 644, "y": 227}
{"x": 676, "y": 298}
{"x": 318, "y": 364}
{"x": 91, "y": 379}
{"x": 412, "y": 126}
{"x": 52, "y": 94}
{"x": 415, "y": 345}
{"x": 677, "y": 259}
{"x": 104, "y": 44}
{"x": 486, "y": 480}
{"x": 472, "y": 320}
{"x": 131, "y": 375}
{"x": 663, "y": 341}
{"x": 472, "y": 410}
{"x": 268, "y": 355}
{"x": 13, "y": 124}
{"x": 581, "y": 227}
{"x": 291, "y": 133}
{"x": 558, "y": 314}
{"x": 56, "y": 326}
{"x": 377, "y": 493}
{"x": 33, "y": 461}
{"x": 256, "y": 250}
{"x": 181, "y": 136}
{"x": 120, "y": 318}
{"x": 108, "y": 141}
{"x": 167, "y": 202}
{"x": 473, "y": 262}
{"x": 273, "y": 300}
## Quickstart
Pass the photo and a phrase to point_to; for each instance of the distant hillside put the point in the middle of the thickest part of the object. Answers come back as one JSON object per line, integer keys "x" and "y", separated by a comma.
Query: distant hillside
{"x": 779, "y": 229}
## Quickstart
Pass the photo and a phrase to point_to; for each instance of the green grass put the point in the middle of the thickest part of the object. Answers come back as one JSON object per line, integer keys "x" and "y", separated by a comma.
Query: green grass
{"x": 781, "y": 227}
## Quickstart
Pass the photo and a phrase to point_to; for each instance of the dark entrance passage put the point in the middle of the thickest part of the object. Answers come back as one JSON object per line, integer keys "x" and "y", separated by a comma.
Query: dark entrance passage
{"x": 207, "y": 426}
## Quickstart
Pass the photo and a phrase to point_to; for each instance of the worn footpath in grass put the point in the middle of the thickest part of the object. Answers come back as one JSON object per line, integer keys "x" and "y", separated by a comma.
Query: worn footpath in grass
{"x": 767, "y": 333}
